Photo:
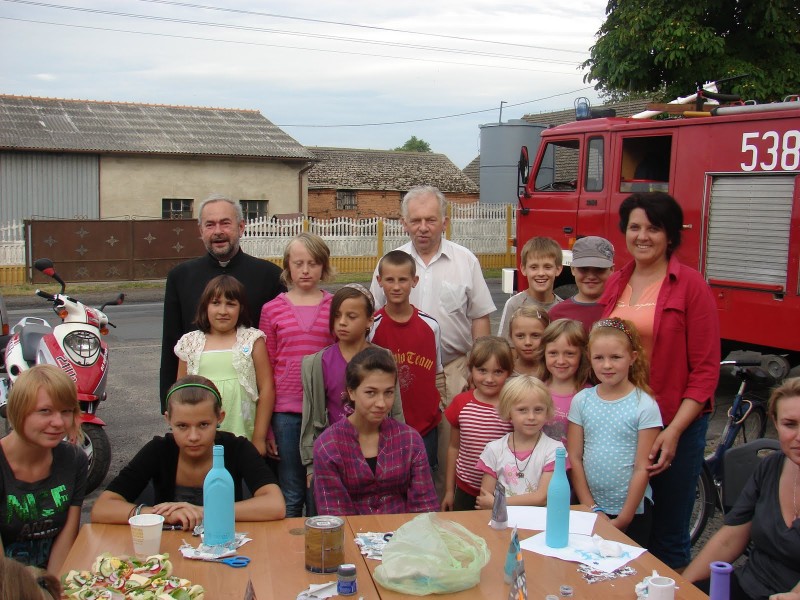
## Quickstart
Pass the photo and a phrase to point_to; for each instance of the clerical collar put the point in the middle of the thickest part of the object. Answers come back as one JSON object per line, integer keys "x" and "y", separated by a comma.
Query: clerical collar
{"x": 224, "y": 263}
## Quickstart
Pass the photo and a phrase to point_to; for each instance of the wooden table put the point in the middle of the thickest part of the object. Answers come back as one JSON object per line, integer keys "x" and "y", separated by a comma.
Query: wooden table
{"x": 277, "y": 568}
{"x": 544, "y": 574}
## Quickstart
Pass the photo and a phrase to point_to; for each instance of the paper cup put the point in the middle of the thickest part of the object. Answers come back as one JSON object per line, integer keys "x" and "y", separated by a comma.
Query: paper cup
{"x": 146, "y": 534}
{"x": 661, "y": 588}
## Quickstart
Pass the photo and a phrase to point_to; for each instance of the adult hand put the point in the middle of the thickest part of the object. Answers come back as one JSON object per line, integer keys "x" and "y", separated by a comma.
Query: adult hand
{"x": 188, "y": 515}
{"x": 664, "y": 449}
{"x": 484, "y": 500}
{"x": 272, "y": 450}
{"x": 786, "y": 596}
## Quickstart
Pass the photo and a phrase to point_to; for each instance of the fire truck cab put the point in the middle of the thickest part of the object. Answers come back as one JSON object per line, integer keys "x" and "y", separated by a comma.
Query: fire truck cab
{"x": 736, "y": 174}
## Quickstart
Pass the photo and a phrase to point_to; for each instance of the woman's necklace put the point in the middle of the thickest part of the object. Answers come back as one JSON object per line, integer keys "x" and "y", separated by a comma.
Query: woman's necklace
{"x": 520, "y": 470}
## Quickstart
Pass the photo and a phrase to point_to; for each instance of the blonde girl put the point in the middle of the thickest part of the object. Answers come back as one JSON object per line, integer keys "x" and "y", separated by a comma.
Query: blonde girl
{"x": 233, "y": 355}
{"x": 525, "y": 331}
{"x": 474, "y": 420}
{"x": 40, "y": 471}
{"x": 612, "y": 427}
{"x": 522, "y": 460}
{"x": 296, "y": 325}
{"x": 564, "y": 368}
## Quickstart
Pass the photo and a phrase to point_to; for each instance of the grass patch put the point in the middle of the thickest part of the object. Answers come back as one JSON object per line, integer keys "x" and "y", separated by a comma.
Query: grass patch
{"x": 76, "y": 289}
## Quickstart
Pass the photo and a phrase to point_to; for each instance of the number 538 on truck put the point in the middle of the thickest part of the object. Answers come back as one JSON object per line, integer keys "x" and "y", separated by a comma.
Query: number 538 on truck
{"x": 735, "y": 170}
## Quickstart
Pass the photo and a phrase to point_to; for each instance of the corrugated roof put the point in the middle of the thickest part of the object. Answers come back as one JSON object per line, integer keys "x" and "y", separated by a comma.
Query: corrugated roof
{"x": 28, "y": 123}
{"x": 559, "y": 117}
{"x": 352, "y": 168}
{"x": 473, "y": 170}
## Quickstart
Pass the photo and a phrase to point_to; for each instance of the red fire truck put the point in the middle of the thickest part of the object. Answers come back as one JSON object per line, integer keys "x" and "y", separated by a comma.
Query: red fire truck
{"x": 735, "y": 172}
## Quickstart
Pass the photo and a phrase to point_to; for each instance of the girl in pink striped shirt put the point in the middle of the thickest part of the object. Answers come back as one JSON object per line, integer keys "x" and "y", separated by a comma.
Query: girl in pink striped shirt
{"x": 296, "y": 324}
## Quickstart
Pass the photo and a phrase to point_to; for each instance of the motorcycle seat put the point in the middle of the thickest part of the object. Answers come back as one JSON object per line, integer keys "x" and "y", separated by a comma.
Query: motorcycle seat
{"x": 29, "y": 339}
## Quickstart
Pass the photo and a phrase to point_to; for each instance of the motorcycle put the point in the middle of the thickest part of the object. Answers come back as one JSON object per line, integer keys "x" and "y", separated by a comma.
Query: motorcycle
{"x": 74, "y": 345}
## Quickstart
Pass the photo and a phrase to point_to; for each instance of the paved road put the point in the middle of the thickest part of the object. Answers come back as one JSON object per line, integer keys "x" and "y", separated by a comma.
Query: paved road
{"x": 131, "y": 411}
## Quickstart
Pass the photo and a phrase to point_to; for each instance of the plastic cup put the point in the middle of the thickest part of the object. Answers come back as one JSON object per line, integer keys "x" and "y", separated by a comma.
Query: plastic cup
{"x": 146, "y": 534}
{"x": 661, "y": 588}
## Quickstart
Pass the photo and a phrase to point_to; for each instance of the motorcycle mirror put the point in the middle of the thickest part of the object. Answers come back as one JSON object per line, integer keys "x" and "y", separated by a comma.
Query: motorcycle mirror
{"x": 46, "y": 266}
{"x": 115, "y": 302}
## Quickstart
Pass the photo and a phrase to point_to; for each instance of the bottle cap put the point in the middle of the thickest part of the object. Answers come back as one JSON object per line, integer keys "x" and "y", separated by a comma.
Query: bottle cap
{"x": 566, "y": 591}
{"x": 219, "y": 450}
{"x": 551, "y": 597}
{"x": 346, "y": 570}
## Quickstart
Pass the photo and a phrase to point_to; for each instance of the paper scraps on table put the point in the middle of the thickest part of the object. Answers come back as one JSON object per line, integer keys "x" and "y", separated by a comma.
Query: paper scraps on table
{"x": 203, "y": 552}
{"x": 372, "y": 543}
{"x": 586, "y": 550}
{"x": 318, "y": 591}
{"x": 594, "y": 576}
{"x": 535, "y": 517}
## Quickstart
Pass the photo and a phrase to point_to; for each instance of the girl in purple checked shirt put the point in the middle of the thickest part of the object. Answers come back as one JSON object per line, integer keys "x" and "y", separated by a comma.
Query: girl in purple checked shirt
{"x": 368, "y": 463}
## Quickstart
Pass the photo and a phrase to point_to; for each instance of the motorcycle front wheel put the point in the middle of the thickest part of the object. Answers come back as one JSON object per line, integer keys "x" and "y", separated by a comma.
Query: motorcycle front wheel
{"x": 98, "y": 450}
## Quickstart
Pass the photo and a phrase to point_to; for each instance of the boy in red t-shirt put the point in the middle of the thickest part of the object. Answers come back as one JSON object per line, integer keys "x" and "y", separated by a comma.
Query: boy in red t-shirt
{"x": 413, "y": 337}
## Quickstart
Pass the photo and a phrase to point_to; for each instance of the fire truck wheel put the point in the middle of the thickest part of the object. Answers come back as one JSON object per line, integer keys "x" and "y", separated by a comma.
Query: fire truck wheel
{"x": 98, "y": 450}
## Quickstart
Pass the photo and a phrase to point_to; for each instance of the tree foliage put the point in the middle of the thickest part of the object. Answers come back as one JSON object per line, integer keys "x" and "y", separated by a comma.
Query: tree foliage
{"x": 665, "y": 47}
{"x": 415, "y": 145}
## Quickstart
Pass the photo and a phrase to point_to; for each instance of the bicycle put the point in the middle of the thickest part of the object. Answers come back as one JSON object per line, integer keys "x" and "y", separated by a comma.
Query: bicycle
{"x": 747, "y": 421}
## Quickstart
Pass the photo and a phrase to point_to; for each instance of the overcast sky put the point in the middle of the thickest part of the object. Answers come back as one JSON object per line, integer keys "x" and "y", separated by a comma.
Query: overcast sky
{"x": 405, "y": 61}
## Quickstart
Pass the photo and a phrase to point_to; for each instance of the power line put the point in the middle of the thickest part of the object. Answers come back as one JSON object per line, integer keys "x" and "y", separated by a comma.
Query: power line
{"x": 357, "y": 25}
{"x": 472, "y": 112}
{"x": 263, "y": 44}
{"x": 284, "y": 32}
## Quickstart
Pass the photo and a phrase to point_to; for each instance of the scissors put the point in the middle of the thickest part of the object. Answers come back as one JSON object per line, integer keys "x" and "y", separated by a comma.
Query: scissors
{"x": 237, "y": 562}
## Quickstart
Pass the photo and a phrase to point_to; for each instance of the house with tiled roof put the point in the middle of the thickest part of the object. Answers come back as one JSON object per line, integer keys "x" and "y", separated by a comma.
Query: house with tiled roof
{"x": 351, "y": 182}
{"x": 80, "y": 158}
{"x": 473, "y": 170}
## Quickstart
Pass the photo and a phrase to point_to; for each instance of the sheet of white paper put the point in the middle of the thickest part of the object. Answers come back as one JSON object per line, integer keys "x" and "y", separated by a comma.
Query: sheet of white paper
{"x": 582, "y": 549}
{"x": 535, "y": 517}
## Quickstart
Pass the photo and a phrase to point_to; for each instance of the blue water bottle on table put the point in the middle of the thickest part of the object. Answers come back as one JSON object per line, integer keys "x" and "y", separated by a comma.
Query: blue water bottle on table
{"x": 557, "y": 532}
{"x": 218, "y": 499}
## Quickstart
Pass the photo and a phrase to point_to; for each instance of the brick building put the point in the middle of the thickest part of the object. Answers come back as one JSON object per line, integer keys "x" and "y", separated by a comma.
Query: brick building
{"x": 349, "y": 182}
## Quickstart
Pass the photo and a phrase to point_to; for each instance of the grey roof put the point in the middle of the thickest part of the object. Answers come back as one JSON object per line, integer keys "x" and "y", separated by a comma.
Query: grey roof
{"x": 559, "y": 117}
{"x": 28, "y": 123}
{"x": 352, "y": 168}
{"x": 473, "y": 170}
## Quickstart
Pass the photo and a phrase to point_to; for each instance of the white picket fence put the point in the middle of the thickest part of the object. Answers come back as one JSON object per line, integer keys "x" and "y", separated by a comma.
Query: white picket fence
{"x": 480, "y": 227}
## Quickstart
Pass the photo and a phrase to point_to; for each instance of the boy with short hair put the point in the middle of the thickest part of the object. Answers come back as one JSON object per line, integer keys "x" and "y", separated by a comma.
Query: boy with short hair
{"x": 592, "y": 264}
{"x": 413, "y": 337}
{"x": 540, "y": 264}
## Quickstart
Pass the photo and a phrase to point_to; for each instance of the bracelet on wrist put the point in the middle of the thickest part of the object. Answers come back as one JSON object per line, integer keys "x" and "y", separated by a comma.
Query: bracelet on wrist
{"x": 595, "y": 508}
{"x": 138, "y": 510}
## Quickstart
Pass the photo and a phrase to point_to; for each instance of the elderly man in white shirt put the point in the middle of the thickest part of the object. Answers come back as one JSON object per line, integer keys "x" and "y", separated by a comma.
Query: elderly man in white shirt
{"x": 451, "y": 287}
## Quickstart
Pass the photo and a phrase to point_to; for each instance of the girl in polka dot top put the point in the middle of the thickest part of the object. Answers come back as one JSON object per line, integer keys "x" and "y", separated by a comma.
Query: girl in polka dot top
{"x": 612, "y": 427}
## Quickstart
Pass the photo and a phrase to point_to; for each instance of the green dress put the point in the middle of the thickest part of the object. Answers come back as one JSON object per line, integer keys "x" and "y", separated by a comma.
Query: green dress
{"x": 217, "y": 365}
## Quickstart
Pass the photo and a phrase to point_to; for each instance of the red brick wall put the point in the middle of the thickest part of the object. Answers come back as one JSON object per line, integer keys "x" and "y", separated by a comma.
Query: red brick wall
{"x": 322, "y": 204}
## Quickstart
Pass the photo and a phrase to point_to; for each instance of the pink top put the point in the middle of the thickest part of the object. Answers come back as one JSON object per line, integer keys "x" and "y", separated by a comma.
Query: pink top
{"x": 642, "y": 314}
{"x": 291, "y": 335}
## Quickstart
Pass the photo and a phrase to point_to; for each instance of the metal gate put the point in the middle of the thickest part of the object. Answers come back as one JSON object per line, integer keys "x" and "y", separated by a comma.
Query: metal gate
{"x": 86, "y": 250}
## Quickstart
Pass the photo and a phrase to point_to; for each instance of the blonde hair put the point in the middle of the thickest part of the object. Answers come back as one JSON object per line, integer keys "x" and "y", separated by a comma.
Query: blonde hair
{"x": 790, "y": 388}
{"x": 639, "y": 371}
{"x": 531, "y": 312}
{"x": 318, "y": 250}
{"x": 490, "y": 346}
{"x": 25, "y": 392}
{"x": 543, "y": 247}
{"x": 517, "y": 389}
{"x": 18, "y": 582}
{"x": 576, "y": 336}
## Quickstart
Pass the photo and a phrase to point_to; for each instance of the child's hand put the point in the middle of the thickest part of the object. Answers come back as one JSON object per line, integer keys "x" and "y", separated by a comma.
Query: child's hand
{"x": 188, "y": 515}
{"x": 447, "y": 501}
{"x": 261, "y": 446}
{"x": 484, "y": 500}
{"x": 621, "y": 524}
{"x": 272, "y": 450}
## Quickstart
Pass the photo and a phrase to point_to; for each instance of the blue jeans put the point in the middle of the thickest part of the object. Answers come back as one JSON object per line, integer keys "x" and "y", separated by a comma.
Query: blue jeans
{"x": 673, "y": 498}
{"x": 291, "y": 472}
{"x": 431, "y": 441}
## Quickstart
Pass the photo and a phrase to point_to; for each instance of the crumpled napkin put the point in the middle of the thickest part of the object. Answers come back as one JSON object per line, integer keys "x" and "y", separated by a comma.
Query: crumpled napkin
{"x": 318, "y": 591}
{"x": 204, "y": 552}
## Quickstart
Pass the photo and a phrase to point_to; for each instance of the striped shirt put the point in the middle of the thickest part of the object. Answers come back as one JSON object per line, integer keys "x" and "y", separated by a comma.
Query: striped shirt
{"x": 478, "y": 424}
{"x": 290, "y": 337}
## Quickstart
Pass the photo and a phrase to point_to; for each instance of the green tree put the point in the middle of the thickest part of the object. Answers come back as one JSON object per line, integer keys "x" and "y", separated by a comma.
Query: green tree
{"x": 415, "y": 145}
{"x": 664, "y": 47}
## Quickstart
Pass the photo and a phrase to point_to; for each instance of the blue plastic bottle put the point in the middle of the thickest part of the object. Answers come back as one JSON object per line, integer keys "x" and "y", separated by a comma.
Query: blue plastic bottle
{"x": 557, "y": 532}
{"x": 720, "y": 581}
{"x": 218, "y": 499}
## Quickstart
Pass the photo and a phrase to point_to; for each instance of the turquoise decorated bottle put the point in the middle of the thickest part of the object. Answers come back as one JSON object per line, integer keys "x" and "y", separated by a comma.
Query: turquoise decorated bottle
{"x": 218, "y": 499}
{"x": 557, "y": 532}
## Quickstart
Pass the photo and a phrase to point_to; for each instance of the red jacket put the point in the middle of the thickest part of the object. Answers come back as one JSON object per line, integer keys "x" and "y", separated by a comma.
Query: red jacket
{"x": 686, "y": 341}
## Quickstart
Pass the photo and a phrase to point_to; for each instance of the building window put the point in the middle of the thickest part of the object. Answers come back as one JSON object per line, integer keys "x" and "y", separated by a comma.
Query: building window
{"x": 176, "y": 208}
{"x": 346, "y": 200}
{"x": 254, "y": 209}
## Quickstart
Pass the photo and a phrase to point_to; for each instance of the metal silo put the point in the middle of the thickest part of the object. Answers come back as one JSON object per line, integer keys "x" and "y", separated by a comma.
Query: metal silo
{"x": 500, "y": 146}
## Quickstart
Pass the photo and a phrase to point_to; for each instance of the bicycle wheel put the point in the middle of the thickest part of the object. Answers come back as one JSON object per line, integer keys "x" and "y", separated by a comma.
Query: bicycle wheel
{"x": 754, "y": 426}
{"x": 703, "y": 508}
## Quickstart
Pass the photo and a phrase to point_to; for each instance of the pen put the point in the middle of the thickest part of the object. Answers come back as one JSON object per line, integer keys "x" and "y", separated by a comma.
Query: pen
{"x": 172, "y": 528}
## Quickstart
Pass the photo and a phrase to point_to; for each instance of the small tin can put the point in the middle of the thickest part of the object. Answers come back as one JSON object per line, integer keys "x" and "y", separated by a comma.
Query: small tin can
{"x": 346, "y": 580}
{"x": 324, "y": 544}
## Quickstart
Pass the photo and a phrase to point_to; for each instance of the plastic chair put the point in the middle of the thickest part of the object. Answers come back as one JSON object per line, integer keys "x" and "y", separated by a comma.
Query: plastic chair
{"x": 738, "y": 465}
